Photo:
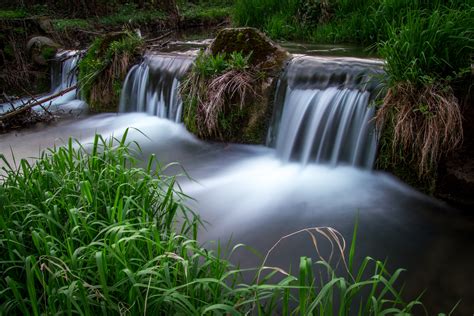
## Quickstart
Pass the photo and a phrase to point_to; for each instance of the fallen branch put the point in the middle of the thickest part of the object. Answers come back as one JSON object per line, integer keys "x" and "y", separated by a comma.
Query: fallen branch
{"x": 39, "y": 102}
{"x": 159, "y": 37}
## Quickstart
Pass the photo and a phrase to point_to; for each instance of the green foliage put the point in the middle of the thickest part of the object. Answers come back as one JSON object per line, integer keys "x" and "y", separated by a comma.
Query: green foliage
{"x": 85, "y": 231}
{"x": 131, "y": 14}
{"x": 206, "y": 14}
{"x": 257, "y": 13}
{"x": 207, "y": 65}
{"x": 430, "y": 46}
{"x": 48, "y": 52}
{"x": 90, "y": 66}
{"x": 279, "y": 18}
{"x": 102, "y": 54}
{"x": 68, "y": 24}
{"x": 12, "y": 14}
{"x": 238, "y": 61}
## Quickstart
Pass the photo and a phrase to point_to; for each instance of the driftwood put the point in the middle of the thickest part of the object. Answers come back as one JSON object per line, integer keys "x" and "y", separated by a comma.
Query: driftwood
{"x": 36, "y": 103}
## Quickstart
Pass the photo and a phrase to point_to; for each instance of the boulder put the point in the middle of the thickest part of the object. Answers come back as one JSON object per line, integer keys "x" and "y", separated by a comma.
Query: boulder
{"x": 239, "y": 121}
{"x": 41, "y": 49}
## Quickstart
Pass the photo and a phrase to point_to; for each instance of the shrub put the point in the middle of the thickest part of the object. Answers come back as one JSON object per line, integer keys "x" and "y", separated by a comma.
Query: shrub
{"x": 216, "y": 83}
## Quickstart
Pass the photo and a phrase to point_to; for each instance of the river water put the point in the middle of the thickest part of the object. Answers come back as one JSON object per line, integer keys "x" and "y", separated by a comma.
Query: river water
{"x": 255, "y": 195}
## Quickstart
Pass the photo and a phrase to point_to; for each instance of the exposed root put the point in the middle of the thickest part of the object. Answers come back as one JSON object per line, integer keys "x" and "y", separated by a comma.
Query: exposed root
{"x": 427, "y": 123}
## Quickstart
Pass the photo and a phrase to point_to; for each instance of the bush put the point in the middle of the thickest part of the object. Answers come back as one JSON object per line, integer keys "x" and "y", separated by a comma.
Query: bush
{"x": 430, "y": 46}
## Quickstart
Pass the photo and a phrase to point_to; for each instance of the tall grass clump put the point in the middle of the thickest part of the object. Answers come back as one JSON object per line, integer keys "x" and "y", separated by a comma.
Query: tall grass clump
{"x": 104, "y": 67}
{"x": 425, "y": 58}
{"x": 85, "y": 231}
{"x": 216, "y": 86}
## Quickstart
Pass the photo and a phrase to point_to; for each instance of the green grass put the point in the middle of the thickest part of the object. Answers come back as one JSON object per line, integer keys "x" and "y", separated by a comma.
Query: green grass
{"x": 85, "y": 231}
{"x": 279, "y": 18}
{"x": 12, "y": 14}
{"x": 101, "y": 56}
{"x": 68, "y": 24}
{"x": 430, "y": 46}
{"x": 130, "y": 14}
{"x": 206, "y": 14}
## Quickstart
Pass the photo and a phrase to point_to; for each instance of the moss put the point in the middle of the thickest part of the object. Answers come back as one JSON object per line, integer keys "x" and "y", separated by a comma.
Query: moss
{"x": 250, "y": 41}
{"x": 48, "y": 52}
{"x": 12, "y": 14}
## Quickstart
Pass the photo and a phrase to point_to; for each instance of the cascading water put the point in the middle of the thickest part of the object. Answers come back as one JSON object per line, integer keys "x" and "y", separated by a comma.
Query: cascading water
{"x": 63, "y": 76}
{"x": 152, "y": 86}
{"x": 322, "y": 111}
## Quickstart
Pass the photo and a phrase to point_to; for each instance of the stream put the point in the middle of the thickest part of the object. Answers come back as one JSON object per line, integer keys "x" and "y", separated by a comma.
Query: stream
{"x": 257, "y": 194}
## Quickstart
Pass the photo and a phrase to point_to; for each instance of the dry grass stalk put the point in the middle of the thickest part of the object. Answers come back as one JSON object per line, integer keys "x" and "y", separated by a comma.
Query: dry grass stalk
{"x": 103, "y": 90}
{"x": 231, "y": 87}
{"x": 427, "y": 123}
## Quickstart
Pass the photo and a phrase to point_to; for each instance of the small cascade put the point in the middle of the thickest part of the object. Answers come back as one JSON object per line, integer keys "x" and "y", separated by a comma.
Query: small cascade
{"x": 63, "y": 76}
{"x": 323, "y": 112}
{"x": 152, "y": 86}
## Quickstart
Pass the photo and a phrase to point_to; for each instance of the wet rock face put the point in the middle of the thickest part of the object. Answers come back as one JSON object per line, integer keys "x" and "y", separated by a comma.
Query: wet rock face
{"x": 456, "y": 176}
{"x": 265, "y": 53}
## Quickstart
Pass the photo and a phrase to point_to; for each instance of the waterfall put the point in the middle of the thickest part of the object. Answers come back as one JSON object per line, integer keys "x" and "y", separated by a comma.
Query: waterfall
{"x": 323, "y": 112}
{"x": 63, "y": 76}
{"x": 152, "y": 86}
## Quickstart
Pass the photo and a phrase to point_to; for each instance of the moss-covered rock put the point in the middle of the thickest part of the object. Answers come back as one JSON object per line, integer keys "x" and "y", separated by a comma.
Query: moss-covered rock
{"x": 247, "y": 65}
{"x": 41, "y": 49}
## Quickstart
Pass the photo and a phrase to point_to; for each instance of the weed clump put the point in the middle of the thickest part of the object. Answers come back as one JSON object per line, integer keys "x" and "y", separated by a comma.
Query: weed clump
{"x": 227, "y": 91}
{"x": 105, "y": 66}
{"x": 426, "y": 57}
{"x": 218, "y": 86}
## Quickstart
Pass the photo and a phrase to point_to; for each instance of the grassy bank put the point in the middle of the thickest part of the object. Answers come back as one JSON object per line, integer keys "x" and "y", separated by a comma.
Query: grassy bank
{"x": 86, "y": 231}
{"x": 428, "y": 48}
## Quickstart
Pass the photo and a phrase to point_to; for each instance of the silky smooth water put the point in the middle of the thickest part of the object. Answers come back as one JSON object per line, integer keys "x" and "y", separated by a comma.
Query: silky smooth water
{"x": 152, "y": 86}
{"x": 63, "y": 76}
{"x": 248, "y": 194}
